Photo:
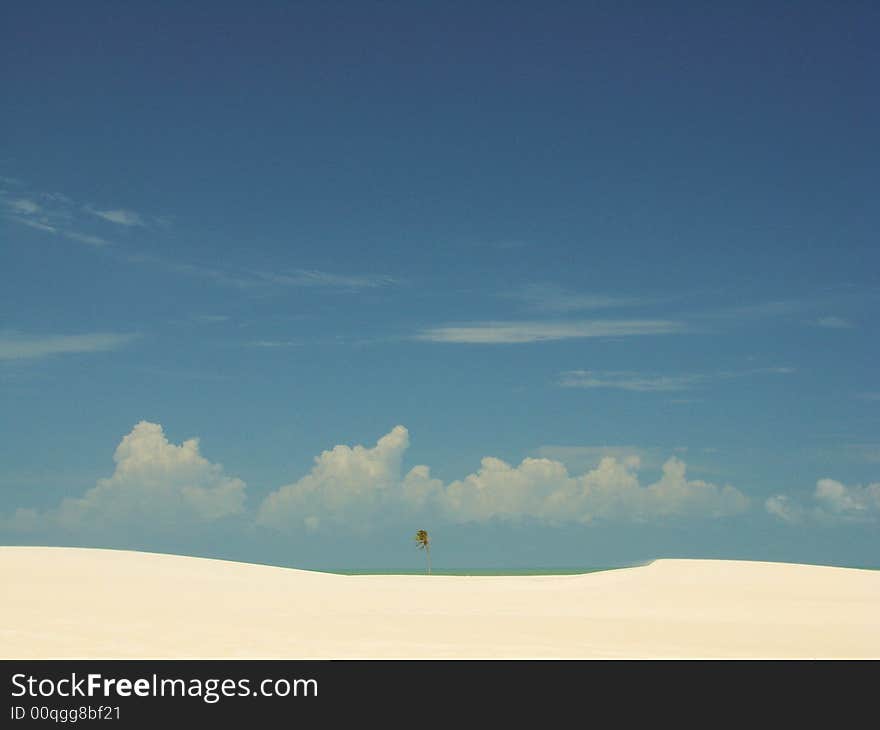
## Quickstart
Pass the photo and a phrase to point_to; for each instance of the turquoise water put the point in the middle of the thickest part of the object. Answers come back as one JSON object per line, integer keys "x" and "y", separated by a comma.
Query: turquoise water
{"x": 505, "y": 571}
{"x": 476, "y": 571}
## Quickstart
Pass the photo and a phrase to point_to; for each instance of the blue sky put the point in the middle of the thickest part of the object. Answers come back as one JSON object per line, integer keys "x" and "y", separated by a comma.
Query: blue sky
{"x": 633, "y": 246}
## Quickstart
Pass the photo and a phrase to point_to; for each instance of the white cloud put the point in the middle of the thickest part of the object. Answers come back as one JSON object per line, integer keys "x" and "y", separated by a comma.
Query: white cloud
{"x": 15, "y": 346}
{"x": 156, "y": 485}
{"x": 646, "y": 383}
{"x": 497, "y": 333}
{"x": 544, "y": 489}
{"x": 834, "y": 323}
{"x": 357, "y": 485}
{"x": 833, "y": 501}
{"x": 119, "y": 216}
{"x": 856, "y": 501}
{"x": 344, "y": 484}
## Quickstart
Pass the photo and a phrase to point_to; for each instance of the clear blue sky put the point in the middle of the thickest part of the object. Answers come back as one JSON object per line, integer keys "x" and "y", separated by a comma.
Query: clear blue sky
{"x": 603, "y": 237}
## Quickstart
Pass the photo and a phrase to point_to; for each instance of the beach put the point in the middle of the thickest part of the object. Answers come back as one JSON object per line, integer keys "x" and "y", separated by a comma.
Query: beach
{"x": 84, "y": 603}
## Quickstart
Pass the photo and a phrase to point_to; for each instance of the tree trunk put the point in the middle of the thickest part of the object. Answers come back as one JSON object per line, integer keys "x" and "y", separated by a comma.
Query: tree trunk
{"x": 428, "y": 553}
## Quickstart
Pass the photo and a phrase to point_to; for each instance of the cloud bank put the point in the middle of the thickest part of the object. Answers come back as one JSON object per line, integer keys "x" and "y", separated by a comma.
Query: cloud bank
{"x": 348, "y": 485}
{"x": 161, "y": 486}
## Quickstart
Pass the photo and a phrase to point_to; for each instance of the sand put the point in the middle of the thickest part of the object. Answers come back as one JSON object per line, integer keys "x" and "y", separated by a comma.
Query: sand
{"x": 78, "y": 603}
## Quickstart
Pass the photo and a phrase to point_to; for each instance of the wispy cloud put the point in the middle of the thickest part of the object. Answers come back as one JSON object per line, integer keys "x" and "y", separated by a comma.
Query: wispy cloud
{"x": 16, "y": 346}
{"x": 258, "y": 280}
{"x": 270, "y": 344}
{"x": 804, "y": 311}
{"x": 31, "y": 223}
{"x": 835, "y": 323}
{"x": 86, "y": 238}
{"x": 652, "y": 383}
{"x": 315, "y": 278}
{"x": 552, "y": 298}
{"x": 58, "y": 214}
{"x": 211, "y": 273}
{"x": 24, "y": 206}
{"x": 209, "y": 318}
{"x": 119, "y": 216}
{"x": 54, "y": 213}
{"x": 518, "y": 332}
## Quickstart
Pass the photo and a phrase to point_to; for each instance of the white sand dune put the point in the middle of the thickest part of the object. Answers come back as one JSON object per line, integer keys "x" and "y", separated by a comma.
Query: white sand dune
{"x": 66, "y": 602}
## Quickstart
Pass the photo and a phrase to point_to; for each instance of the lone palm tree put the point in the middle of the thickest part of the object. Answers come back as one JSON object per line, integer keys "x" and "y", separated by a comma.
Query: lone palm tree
{"x": 423, "y": 542}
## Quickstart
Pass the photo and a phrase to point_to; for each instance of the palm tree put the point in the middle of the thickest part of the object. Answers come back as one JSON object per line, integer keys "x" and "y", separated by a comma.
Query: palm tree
{"x": 423, "y": 542}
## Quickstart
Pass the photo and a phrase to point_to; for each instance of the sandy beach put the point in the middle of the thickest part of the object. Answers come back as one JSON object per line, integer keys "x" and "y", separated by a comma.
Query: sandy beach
{"x": 80, "y": 603}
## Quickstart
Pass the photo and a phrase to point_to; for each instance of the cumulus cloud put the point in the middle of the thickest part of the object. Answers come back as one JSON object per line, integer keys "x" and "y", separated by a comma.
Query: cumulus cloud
{"x": 856, "y": 501}
{"x": 156, "y": 484}
{"x": 161, "y": 486}
{"x": 357, "y": 484}
{"x": 832, "y": 501}
{"x": 345, "y": 484}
